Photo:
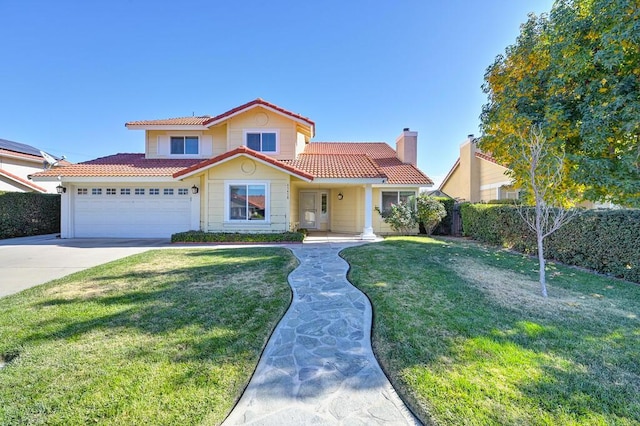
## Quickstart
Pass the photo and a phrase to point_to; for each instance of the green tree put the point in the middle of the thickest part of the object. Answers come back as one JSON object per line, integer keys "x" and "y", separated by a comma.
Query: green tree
{"x": 574, "y": 75}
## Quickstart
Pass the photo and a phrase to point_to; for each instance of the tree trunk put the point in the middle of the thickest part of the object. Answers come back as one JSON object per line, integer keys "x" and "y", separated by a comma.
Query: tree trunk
{"x": 541, "y": 263}
{"x": 540, "y": 237}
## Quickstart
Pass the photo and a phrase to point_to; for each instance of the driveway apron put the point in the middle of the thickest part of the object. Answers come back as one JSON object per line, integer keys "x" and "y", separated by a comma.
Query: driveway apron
{"x": 318, "y": 366}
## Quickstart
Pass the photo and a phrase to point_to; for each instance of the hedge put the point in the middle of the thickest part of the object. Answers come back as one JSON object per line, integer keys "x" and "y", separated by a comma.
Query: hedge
{"x": 607, "y": 241}
{"x": 28, "y": 213}
{"x": 226, "y": 237}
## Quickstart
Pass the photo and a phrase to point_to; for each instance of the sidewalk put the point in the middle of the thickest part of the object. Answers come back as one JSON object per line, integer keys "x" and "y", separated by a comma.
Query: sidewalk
{"x": 318, "y": 367}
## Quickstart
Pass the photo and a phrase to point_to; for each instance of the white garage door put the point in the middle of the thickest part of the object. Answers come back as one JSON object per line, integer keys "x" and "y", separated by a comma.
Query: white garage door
{"x": 137, "y": 212}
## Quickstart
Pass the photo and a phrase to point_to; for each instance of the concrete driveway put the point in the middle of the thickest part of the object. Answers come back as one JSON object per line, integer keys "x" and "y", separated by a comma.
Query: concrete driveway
{"x": 30, "y": 261}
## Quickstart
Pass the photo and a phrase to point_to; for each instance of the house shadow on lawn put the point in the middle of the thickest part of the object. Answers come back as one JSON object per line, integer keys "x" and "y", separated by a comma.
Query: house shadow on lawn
{"x": 210, "y": 301}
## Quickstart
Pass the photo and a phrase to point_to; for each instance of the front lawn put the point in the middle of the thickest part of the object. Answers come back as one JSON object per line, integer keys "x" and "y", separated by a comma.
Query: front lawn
{"x": 164, "y": 337}
{"x": 466, "y": 338}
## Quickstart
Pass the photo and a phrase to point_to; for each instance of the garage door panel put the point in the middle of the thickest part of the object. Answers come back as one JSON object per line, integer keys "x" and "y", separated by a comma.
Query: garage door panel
{"x": 151, "y": 216}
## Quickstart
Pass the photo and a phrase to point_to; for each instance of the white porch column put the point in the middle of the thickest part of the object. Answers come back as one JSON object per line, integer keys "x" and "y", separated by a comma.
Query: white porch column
{"x": 367, "y": 232}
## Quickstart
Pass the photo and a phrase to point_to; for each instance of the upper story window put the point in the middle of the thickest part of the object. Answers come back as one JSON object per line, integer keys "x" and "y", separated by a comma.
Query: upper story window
{"x": 262, "y": 141}
{"x": 184, "y": 145}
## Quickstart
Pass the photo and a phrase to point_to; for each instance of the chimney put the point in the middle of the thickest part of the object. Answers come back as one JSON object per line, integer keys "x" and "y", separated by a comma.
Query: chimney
{"x": 407, "y": 147}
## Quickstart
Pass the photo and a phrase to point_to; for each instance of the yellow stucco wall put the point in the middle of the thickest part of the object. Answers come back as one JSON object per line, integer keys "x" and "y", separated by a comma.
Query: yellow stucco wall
{"x": 454, "y": 186}
{"x": 263, "y": 119}
{"x": 475, "y": 179}
{"x": 246, "y": 170}
{"x": 213, "y": 141}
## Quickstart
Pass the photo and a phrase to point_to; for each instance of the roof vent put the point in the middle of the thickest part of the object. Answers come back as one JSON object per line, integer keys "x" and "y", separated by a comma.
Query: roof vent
{"x": 470, "y": 136}
{"x": 406, "y": 129}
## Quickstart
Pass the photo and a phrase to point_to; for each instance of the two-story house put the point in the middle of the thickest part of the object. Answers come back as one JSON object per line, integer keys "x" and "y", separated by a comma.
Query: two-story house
{"x": 250, "y": 169}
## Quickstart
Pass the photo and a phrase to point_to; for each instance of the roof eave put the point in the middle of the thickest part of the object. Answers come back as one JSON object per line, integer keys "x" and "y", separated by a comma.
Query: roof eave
{"x": 215, "y": 121}
{"x": 165, "y": 127}
{"x": 181, "y": 175}
{"x": 360, "y": 181}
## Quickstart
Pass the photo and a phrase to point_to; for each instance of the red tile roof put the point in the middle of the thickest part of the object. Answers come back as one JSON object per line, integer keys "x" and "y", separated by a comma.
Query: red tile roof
{"x": 22, "y": 181}
{"x": 382, "y": 156}
{"x": 177, "y": 121}
{"x": 257, "y": 102}
{"x": 368, "y": 160}
{"x": 338, "y": 166}
{"x": 247, "y": 151}
{"x": 121, "y": 165}
{"x": 487, "y": 157}
{"x": 206, "y": 120}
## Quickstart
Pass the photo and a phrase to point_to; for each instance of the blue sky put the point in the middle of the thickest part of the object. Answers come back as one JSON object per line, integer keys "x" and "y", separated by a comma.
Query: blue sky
{"x": 73, "y": 72}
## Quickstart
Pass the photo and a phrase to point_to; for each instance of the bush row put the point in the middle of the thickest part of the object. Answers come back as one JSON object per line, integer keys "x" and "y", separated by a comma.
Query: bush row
{"x": 607, "y": 241}
{"x": 226, "y": 237}
{"x": 28, "y": 213}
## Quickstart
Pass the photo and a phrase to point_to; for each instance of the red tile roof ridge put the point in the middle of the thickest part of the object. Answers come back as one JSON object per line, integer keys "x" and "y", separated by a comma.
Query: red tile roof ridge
{"x": 259, "y": 101}
{"x": 243, "y": 150}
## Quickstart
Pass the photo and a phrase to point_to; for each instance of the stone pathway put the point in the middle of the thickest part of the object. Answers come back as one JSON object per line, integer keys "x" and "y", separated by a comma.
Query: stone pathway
{"x": 318, "y": 366}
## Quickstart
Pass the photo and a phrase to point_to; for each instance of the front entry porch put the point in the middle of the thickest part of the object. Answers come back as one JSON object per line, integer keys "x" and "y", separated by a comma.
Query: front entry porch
{"x": 338, "y": 209}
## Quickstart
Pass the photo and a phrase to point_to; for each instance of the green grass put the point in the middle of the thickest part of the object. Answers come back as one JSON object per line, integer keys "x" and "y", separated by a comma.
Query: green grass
{"x": 165, "y": 337}
{"x": 466, "y": 338}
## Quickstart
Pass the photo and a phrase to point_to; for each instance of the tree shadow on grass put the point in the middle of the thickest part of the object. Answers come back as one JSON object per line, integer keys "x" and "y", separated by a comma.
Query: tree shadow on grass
{"x": 432, "y": 323}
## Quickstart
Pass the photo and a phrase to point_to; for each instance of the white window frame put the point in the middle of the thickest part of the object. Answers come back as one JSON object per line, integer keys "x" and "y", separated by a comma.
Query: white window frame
{"x": 397, "y": 191}
{"x": 267, "y": 201}
{"x": 245, "y": 132}
{"x": 184, "y": 136}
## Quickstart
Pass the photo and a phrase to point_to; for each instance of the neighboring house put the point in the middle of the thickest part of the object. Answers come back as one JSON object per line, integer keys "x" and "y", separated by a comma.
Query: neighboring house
{"x": 437, "y": 193}
{"x": 250, "y": 169}
{"x": 477, "y": 177}
{"x": 17, "y": 162}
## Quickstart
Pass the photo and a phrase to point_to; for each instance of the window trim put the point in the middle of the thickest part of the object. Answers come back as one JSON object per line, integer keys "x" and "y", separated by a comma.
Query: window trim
{"x": 397, "y": 191}
{"x": 245, "y": 132}
{"x": 267, "y": 201}
{"x": 184, "y": 142}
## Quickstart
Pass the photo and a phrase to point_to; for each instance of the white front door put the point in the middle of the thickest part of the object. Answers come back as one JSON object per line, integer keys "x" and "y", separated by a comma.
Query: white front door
{"x": 308, "y": 210}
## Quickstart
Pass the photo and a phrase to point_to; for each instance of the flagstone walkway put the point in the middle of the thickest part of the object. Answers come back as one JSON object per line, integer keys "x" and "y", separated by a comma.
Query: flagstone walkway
{"x": 318, "y": 367}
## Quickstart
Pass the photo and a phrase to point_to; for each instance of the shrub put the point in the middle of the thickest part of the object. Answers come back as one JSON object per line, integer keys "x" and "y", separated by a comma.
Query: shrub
{"x": 227, "y": 237}
{"x": 444, "y": 227}
{"x": 607, "y": 241}
{"x": 28, "y": 213}
{"x": 429, "y": 212}
{"x": 401, "y": 217}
